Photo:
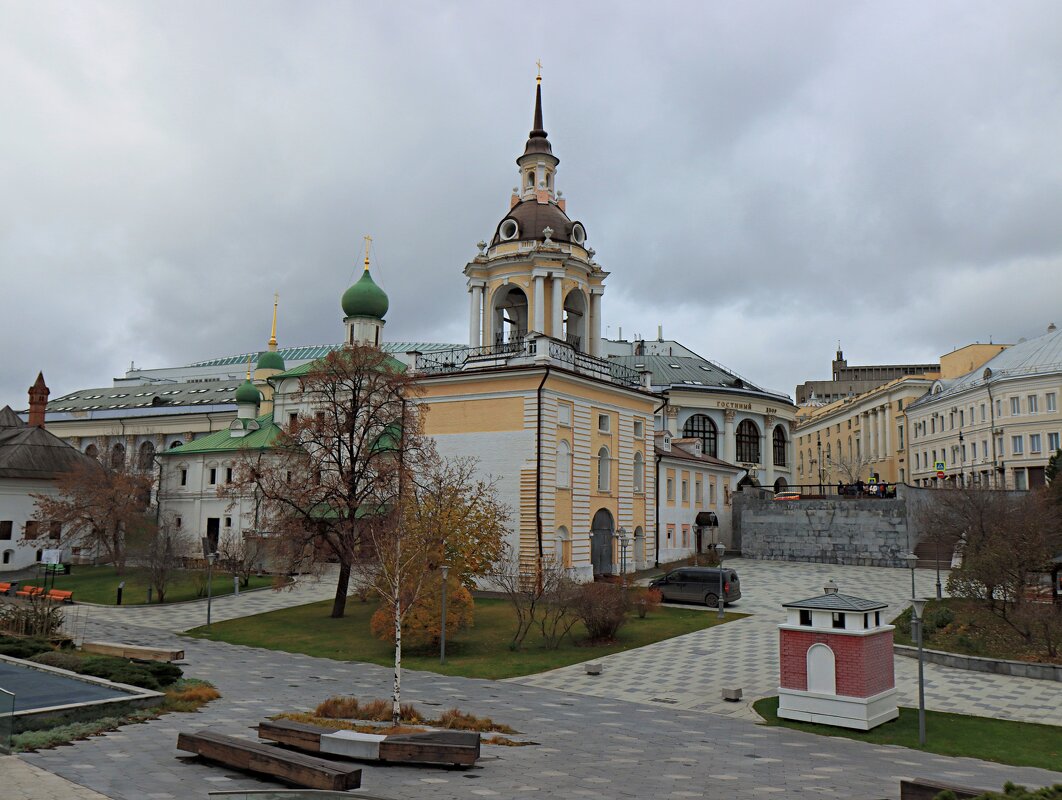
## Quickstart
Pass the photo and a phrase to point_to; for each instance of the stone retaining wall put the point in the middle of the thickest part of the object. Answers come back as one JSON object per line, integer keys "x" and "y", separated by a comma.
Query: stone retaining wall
{"x": 832, "y": 531}
{"x": 997, "y": 666}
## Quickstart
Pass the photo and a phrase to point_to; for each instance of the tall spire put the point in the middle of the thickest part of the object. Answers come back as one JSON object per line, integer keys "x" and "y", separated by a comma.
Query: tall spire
{"x": 273, "y": 331}
{"x": 537, "y": 141}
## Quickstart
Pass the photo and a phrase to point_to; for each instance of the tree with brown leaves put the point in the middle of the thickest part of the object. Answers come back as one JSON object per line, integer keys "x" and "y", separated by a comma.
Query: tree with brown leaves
{"x": 99, "y": 506}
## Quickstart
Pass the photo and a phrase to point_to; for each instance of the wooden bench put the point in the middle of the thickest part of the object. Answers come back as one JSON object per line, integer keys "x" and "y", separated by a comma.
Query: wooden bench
{"x": 29, "y": 591}
{"x": 60, "y": 596}
{"x": 133, "y": 651}
{"x": 300, "y": 769}
{"x": 460, "y": 748}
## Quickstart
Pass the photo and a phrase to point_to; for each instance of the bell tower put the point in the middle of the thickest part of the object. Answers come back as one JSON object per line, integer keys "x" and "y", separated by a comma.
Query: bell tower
{"x": 537, "y": 274}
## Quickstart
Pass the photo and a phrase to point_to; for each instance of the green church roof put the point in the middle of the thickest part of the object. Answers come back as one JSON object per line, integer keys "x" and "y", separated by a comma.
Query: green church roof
{"x": 222, "y": 441}
{"x": 365, "y": 299}
{"x": 271, "y": 359}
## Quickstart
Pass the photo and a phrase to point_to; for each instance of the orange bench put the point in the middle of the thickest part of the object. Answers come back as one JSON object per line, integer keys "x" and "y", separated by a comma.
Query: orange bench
{"x": 5, "y": 588}
{"x": 29, "y": 591}
{"x": 60, "y": 596}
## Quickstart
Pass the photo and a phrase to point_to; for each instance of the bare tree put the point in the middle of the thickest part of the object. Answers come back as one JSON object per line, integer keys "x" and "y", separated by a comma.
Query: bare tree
{"x": 98, "y": 506}
{"x": 161, "y": 551}
{"x": 338, "y": 465}
{"x": 541, "y": 594}
{"x": 243, "y": 554}
{"x": 849, "y": 468}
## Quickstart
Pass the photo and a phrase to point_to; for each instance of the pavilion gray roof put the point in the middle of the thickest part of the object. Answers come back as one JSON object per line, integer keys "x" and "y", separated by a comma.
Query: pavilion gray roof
{"x": 159, "y": 395}
{"x": 837, "y": 602}
{"x": 689, "y": 372}
{"x": 9, "y": 419}
{"x": 31, "y": 452}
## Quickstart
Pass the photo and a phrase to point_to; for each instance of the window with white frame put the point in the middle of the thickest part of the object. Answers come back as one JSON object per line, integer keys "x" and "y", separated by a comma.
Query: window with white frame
{"x": 1052, "y": 442}
{"x": 639, "y": 429}
{"x": 973, "y": 451}
{"x": 1017, "y": 445}
{"x": 698, "y": 491}
{"x": 984, "y": 448}
{"x": 982, "y": 412}
{"x": 604, "y": 470}
{"x": 604, "y": 423}
{"x": 1034, "y": 403}
{"x": 1015, "y": 406}
{"x": 1034, "y": 443}
{"x": 999, "y": 407}
{"x": 999, "y": 446}
{"x": 1051, "y": 402}
{"x": 916, "y": 460}
{"x": 671, "y": 489}
{"x": 564, "y": 465}
{"x": 685, "y": 490}
{"x": 639, "y": 473}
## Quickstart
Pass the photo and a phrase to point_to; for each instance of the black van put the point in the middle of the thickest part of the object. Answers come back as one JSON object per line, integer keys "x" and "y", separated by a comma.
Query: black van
{"x": 699, "y": 585}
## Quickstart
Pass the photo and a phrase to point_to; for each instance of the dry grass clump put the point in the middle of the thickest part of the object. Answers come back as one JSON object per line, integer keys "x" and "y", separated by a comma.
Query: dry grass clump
{"x": 375, "y": 710}
{"x": 344, "y": 725}
{"x": 338, "y": 708}
{"x": 189, "y": 695}
{"x": 503, "y": 742}
{"x": 456, "y": 719}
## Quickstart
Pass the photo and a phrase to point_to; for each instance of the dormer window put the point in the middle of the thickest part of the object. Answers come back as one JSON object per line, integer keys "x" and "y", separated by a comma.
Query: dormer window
{"x": 805, "y": 617}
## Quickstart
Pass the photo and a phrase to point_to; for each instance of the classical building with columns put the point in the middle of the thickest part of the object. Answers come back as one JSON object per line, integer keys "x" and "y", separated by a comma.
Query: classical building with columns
{"x": 992, "y": 418}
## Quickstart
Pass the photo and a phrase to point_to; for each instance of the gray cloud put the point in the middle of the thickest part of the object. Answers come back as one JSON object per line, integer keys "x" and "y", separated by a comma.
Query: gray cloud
{"x": 762, "y": 178}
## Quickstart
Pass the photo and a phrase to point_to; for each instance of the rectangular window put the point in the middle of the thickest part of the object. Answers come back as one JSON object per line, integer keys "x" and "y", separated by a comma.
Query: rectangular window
{"x": 228, "y": 522}
{"x": 983, "y": 412}
{"x": 711, "y": 491}
{"x": 1052, "y": 403}
{"x": 293, "y": 420}
{"x": 685, "y": 490}
{"x": 31, "y": 530}
{"x": 877, "y": 619}
{"x": 1034, "y": 443}
{"x": 604, "y": 423}
{"x": 685, "y": 535}
{"x": 1052, "y": 442}
{"x": 838, "y": 619}
{"x": 698, "y": 492}
{"x": 213, "y": 475}
{"x": 184, "y": 477}
{"x": 177, "y": 522}
{"x": 670, "y": 535}
{"x": 933, "y": 424}
{"x": 671, "y": 489}
{"x": 1015, "y": 406}
{"x": 899, "y": 430}
{"x": 55, "y": 530}
{"x": 228, "y": 474}
{"x": 639, "y": 429}
{"x": 1017, "y": 445}
{"x": 973, "y": 450}
{"x": 984, "y": 448}
{"x": 6, "y": 526}
{"x": 805, "y": 617}
{"x": 564, "y": 415}
{"x": 999, "y": 447}
{"x": 1034, "y": 403}
{"x": 999, "y": 407}
{"x": 962, "y": 418}
{"x": 916, "y": 460}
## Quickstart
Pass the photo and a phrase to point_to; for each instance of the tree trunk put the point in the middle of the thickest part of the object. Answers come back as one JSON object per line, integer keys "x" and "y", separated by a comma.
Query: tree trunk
{"x": 396, "y": 696}
{"x": 118, "y": 550}
{"x": 339, "y": 605}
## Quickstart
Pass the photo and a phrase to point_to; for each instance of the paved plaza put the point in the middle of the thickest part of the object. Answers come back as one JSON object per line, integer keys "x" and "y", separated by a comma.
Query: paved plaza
{"x": 640, "y": 730}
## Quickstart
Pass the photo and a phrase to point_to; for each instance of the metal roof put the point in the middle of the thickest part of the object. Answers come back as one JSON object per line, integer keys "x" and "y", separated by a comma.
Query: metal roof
{"x": 224, "y": 441}
{"x": 690, "y": 372}
{"x": 314, "y": 351}
{"x": 30, "y": 452}
{"x": 837, "y": 602}
{"x": 153, "y": 396}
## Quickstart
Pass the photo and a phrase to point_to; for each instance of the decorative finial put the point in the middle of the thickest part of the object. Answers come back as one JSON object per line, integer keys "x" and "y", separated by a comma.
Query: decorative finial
{"x": 538, "y": 64}
{"x": 368, "y": 242}
{"x": 248, "y": 366}
{"x": 547, "y": 232}
{"x": 482, "y": 245}
{"x": 273, "y": 331}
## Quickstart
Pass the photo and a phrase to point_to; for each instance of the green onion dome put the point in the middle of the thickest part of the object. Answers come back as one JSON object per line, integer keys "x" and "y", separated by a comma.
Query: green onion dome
{"x": 270, "y": 359}
{"x": 365, "y": 299}
{"x": 247, "y": 393}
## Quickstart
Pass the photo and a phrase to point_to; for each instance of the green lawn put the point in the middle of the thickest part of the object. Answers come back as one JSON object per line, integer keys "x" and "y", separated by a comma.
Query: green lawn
{"x": 1021, "y": 744}
{"x": 481, "y": 651}
{"x": 100, "y": 584}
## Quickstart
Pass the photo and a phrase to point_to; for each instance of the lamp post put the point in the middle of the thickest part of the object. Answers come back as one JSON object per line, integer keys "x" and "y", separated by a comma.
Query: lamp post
{"x": 211, "y": 558}
{"x": 916, "y": 625}
{"x": 624, "y": 540}
{"x": 719, "y": 550}
{"x": 445, "y": 569}
{"x": 912, "y": 561}
{"x": 962, "y": 462}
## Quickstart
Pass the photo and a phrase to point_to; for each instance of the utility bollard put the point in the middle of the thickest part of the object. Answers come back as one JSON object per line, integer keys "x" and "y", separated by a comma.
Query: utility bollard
{"x": 120, "y": 587}
{"x": 236, "y": 585}
{"x": 149, "y": 595}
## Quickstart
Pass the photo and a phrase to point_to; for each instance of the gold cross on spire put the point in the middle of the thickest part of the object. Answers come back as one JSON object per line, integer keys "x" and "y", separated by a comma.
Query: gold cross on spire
{"x": 368, "y": 242}
{"x": 539, "y": 65}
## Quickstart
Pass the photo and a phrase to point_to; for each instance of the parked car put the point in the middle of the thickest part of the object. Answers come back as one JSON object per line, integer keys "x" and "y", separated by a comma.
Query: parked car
{"x": 699, "y": 585}
{"x": 787, "y": 496}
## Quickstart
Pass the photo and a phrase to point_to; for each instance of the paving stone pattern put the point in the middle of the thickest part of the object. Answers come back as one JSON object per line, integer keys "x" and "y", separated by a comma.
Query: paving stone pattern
{"x": 640, "y": 732}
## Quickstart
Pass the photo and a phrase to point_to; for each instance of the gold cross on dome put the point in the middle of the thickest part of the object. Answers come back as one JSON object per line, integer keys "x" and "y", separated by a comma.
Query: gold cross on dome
{"x": 539, "y": 65}
{"x": 368, "y": 242}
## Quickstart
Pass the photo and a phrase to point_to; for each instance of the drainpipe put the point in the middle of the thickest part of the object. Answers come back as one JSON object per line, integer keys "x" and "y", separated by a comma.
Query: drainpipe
{"x": 992, "y": 436}
{"x": 656, "y": 487}
{"x": 538, "y": 472}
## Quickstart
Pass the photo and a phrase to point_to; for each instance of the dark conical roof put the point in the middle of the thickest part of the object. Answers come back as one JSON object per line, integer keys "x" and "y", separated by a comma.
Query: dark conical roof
{"x": 9, "y": 419}
{"x": 536, "y": 139}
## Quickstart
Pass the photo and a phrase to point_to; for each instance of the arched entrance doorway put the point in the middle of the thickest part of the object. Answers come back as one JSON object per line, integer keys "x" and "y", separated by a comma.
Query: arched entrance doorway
{"x": 780, "y": 485}
{"x": 601, "y": 534}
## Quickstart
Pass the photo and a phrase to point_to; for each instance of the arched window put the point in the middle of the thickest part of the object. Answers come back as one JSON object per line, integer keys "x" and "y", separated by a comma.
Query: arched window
{"x": 146, "y": 456}
{"x": 801, "y": 468}
{"x": 531, "y": 180}
{"x": 117, "y": 456}
{"x": 748, "y": 442}
{"x": 7, "y": 556}
{"x": 639, "y": 547}
{"x": 92, "y": 451}
{"x": 177, "y": 443}
{"x": 639, "y": 473}
{"x": 779, "y": 446}
{"x": 563, "y": 547}
{"x": 828, "y": 459}
{"x": 564, "y": 465}
{"x": 700, "y": 426}
{"x": 604, "y": 470}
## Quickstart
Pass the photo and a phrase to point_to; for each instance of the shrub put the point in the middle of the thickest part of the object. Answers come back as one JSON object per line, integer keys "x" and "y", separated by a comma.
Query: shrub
{"x": 55, "y": 658}
{"x": 602, "y": 607}
{"x": 166, "y": 674}
{"x": 1012, "y": 792}
{"x": 646, "y": 600}
{"x": 422, "y": 626}
{"x": 903, "y": 622}
{"x": 942, "y": 617}
{"x": 23, "y": 648}
{"x": 119, "y": 671}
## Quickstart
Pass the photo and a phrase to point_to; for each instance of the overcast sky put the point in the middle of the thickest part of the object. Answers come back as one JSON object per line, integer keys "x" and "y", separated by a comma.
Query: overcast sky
{"x": 760, "y": 178}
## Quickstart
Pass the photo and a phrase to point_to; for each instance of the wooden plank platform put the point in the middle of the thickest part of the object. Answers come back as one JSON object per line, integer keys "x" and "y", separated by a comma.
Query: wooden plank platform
{"x": 302, "y": 770}
{"x": 133, "y": 651}
{"x": 460, "y": 748}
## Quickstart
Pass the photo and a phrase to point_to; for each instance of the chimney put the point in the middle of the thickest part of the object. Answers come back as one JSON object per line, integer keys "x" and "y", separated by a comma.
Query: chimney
{"x": 38, "y": 401}
{"x": 660, "y": 333}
